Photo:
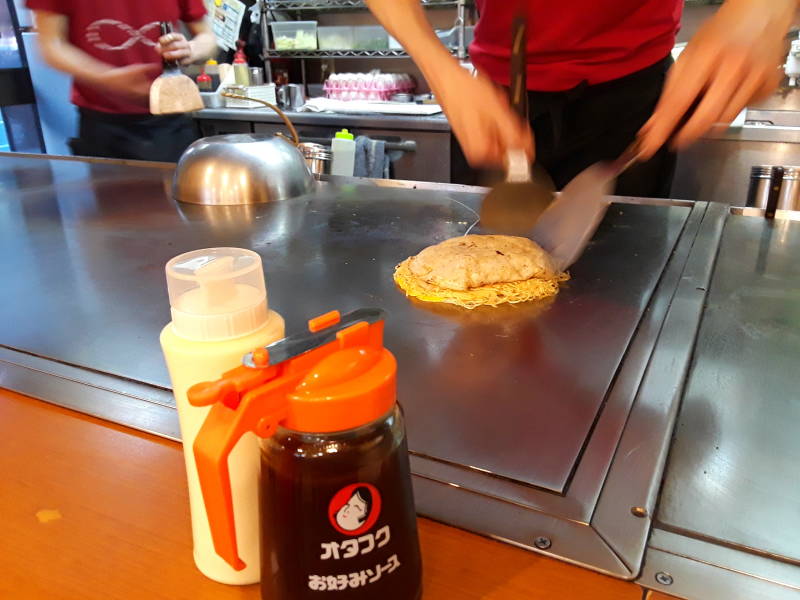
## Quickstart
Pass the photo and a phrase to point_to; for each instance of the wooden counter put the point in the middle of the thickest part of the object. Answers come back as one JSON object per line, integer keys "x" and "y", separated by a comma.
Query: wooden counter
{"x": 91, "y": 510}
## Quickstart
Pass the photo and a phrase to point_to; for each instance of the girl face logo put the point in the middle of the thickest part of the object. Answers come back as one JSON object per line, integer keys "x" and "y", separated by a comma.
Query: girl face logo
{"x": 354, "y": 509}
{"x": 354, "y": 512}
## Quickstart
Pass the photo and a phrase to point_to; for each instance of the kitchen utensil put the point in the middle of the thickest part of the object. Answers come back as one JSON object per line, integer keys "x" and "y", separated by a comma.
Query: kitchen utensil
{"x": 758, "y": 192}
{"x": 282, "y": 96}
{"x": 242, "y": 168}
{"x": 774, "y": 192}
{"x": 256, "y": 76}
{"x": 172, "y": 91}
{"x": 289, "y": 96}
{"x": 318, "y": 157}
{"x": 212, "y": 100}
{"x": 297, "y": 95}
{"x": 773, "y": 196}
{"x": 337, "y": 509}
{"x": 566, "y": 226}
{"x": 514, "y": 205}
{"x": 761, "y": 183}
{"x": 790, "y": 190}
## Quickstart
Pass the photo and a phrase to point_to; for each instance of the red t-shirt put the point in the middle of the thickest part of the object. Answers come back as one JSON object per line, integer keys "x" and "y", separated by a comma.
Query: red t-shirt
{"x": 576, "y": 40}
{"x": 119, "y": 33}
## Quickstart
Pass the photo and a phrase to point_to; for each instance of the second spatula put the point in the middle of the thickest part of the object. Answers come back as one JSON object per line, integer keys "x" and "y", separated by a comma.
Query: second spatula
{"x": 569, "y": 223}
{"x": 514, "y": 205}
{"x": 172, "y": 91}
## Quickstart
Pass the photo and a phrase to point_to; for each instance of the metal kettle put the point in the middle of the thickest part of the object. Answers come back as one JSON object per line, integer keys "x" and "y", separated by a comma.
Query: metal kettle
{"x": 242, "y": 168}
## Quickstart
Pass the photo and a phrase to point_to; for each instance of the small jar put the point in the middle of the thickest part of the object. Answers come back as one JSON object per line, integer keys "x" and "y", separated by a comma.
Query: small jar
{"x": 318, "y": 157}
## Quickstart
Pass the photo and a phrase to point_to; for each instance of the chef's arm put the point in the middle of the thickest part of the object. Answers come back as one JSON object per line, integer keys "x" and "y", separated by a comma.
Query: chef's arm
{"x": 478, "y": 110}
{"x": 132, "y": 81}
{"x": 734, "y": 59}
{"x": 406, "y": 21}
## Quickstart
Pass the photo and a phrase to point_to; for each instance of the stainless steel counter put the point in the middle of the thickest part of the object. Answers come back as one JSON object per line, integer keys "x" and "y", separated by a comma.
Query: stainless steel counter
{"x": 732, "y": 489}
{"x": 370, "y": 120}
{"x": 546, "y": 425}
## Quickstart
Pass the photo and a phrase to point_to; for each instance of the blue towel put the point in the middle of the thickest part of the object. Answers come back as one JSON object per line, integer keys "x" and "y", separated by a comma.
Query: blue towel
{"x": 371, "y": 159}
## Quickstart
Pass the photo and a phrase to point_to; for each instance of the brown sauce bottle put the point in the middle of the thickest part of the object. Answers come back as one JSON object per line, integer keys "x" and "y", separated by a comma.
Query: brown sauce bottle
{"x": 336, "y": 504}
{"x": 336, "y": 514}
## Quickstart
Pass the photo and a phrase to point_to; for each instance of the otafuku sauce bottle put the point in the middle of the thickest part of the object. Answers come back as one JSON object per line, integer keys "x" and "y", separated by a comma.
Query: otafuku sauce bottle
{"x": 337, "y": 510}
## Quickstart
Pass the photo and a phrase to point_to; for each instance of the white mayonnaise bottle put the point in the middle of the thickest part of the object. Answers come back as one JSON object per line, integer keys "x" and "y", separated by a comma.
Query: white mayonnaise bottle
{"x": 218, "y": 301}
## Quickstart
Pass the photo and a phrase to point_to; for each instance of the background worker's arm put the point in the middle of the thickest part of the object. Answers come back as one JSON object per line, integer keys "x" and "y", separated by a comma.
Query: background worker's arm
{"x": 734, "y": 60}
{"x": 203, "y": 45}
{"x": 132, "y": 81}
{"x": 477, "y": 109}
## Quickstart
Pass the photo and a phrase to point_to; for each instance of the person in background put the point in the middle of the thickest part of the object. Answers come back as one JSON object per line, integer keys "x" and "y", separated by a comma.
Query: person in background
{"x": 113, "y": 50}
{"x": 600, "y": 75}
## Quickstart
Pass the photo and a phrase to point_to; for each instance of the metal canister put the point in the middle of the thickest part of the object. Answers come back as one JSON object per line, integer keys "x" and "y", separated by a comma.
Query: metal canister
{"x": 256, "y": 76}
{"x": 789, "y": 198}
{"x": 761, "y": 184}
{"x": 318, "y": 157}
{"x": 758, "y": 193}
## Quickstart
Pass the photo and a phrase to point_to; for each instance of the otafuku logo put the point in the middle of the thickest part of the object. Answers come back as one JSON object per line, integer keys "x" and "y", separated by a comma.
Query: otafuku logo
{"x": 355, "y": 508}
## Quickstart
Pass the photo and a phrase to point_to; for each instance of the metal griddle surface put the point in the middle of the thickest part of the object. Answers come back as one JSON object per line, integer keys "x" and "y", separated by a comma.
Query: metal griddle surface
{"x": 511, "y": 391}
{"x": 733, "y": 468}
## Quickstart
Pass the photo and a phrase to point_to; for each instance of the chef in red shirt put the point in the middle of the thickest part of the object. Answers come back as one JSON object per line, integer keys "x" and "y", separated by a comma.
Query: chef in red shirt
{"x": 113, "y": 50}
{"x": 600, "y": 74}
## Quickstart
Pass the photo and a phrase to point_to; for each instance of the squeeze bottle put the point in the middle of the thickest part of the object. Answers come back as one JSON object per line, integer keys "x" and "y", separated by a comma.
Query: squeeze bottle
{"x": 241, "y": 71}
{"x": 344, "y": 153}
{"x": 337, "y": 507}
{"x": 219, "y": 309}
{"x": 212, "y": 70}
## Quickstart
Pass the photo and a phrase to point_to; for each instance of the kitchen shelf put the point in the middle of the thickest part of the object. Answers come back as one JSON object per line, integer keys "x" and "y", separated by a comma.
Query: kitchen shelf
{"x": 269, "y": 6}
{"x": 339, "y": 53}
{"x": 339, "y": 4}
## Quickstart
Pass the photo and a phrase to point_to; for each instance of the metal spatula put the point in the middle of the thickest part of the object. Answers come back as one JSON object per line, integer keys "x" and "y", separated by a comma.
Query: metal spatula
{"x": 172, "y": 91}
{"x": 569, "y": 223}
{"x": 514, "y": 205}
{"x": 566, "y": 227}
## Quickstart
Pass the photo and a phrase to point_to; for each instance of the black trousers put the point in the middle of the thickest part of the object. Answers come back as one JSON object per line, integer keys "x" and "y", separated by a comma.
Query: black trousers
{"x": 133, "y": 137}
{"x": 590, "y": 123}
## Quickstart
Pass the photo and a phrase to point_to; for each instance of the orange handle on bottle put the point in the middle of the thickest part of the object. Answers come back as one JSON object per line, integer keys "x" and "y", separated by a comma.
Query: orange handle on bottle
{"x": 338, "y": 385}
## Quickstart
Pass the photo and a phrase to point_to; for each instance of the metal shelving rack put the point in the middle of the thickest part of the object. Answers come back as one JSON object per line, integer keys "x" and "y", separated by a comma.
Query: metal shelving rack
{"x": 459, "y": 50}
{"x": 339, "y": 53}
{"x": 340, "y": 4}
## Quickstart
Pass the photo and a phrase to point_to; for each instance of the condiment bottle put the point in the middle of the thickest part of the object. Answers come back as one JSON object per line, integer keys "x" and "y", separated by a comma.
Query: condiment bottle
{"x": 241, "y": 71}
{"x": 337, "y": 509}
{"x": 219, "y": 309}
{"x": 212, "y": 70}
{"x": 204, "y": 81}
{"x": 343, "y": 148}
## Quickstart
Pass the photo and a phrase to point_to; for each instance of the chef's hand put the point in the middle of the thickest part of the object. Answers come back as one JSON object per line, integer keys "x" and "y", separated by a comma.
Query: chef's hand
{"x": 175, "y": 46}
{"x": 481, "y": 116}
{"x": 733, "y": 59}
{"x": 132, "y": 81}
